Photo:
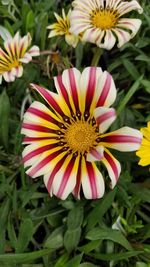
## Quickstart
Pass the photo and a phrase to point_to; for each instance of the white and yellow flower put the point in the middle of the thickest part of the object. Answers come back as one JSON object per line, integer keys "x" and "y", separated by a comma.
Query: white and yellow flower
{"x": 101, "y": 21}
{"x": 15, "y": 52}
{"x": 65, "y": 139}
{"x": 61, "y": 27}
{"x": 144, "y": 150}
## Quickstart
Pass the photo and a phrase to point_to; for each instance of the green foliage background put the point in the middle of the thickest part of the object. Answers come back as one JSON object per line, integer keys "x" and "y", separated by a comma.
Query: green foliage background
{"x": 39, "y": 231}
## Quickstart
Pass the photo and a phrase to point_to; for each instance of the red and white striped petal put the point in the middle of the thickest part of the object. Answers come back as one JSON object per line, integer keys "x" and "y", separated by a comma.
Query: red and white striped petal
{"x": 89, "y": 87}
{"x": 125, "y": 7}
{"x": 124, "y": 139}
{"x": 130, "y": 24}
{"x": 55, "y": 101}
{"x": 33, "y": 152}
{"x": 109, "y": 40}
{"x": 65, "y": 179}
{"x": 24, "y": 44}
{"x": 49, "y": 177}
{"x": 43, "y": 165}
{"x": 92, "y": 180}
{"x": 104, "y": 117}
{"x": 92, "y": 35}
{"x": 70, "y": 79}
{"x": 62, "y": 90}
{"x": 76, "y": 191}
{"x": 123, "y": 36}
{"x": 95, "y": 154}
{"x": 38, "y": 113}
{"x": 113, "y": 167}
{"x": 106, "y": 90}
{"x": 34, "y": 51}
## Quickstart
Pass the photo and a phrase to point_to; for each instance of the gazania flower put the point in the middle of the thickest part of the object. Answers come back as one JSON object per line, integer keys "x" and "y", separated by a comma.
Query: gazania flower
{"x": 144, "y": 151}
{"x": 65, "y": 139}
{"x": 61, "y": 27}
{"x": 14, "y": 54}
{"x": 101, "y": 22}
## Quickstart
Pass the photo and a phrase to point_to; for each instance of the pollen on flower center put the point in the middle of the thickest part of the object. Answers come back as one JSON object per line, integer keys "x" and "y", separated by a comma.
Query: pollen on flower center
{"x": 80, "y": 136}
{"x": 104, "y": 19}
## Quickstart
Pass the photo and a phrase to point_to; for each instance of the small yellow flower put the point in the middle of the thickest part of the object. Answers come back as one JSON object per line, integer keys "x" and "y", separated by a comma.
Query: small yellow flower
{"x": 144, "y": 150}
{"x": 15, "y": 53}
{"x": 61, "y": 27}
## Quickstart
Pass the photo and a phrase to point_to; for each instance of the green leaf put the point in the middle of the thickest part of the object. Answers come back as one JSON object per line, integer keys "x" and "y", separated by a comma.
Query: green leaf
{"x": 115, "y": 256}
{"x": 87, "y": 264}
{"x": 90, "y": 246}
{"x": 101, "y": 208}
{"x": 25, "y": 234}
{"x": 62, "y": 261}
{"x": 30, "y": 21}
{"x": 4, "y": 118}
{"x": 75, "y": 218}
{"x": 71, "y": 239}
{"x": 74, "y": 262}
{"x": 130, "y": 94}
{"x": 55, "y": 240}
{"x": 109, "y": 234}
{"x": 131, "y": 69}
{"x": 12, "y": 258}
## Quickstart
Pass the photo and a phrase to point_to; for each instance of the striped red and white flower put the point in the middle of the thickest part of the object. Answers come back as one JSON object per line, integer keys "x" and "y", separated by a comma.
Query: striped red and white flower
{"x": 101, "y": 21}
{"x": 67, "y": 136}
{"x": 16, "y": 51}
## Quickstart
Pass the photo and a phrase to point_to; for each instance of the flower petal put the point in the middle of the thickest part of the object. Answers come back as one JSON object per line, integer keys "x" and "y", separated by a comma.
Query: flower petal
{"x": 106, "y": 90}
{"x": 130, "y": 24}
{"x": 113, "y": 167}
{"x": 34, "y": 51}
{"x": 55, "y": 101}
{"x": 70, "y": 79}
{"x": 124, "y": 139}
{"x": 95, "y": 154}
{"x": 109, "y": 40}
{"x": 125, "y": 7}
{"x": 89, "y": 87}
{"x": 123, "y": 36}
{"x": 92, "y": 181}
{"x": 104, "y": 117}
{"x": 65, "y": 179}
{"x": 43, "y": 165}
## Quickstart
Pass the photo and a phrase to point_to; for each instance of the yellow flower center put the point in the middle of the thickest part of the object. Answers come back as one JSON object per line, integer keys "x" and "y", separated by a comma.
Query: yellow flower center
{"x": 81, "y": 136}
{"x": 104, "y": 19}
{"x": 8, "y": 64}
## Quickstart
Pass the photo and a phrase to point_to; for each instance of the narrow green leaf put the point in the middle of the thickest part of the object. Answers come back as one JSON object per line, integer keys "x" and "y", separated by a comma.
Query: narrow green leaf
{"x": 30, "y": 21}
{"x": 87, "y": 264}
{"x": 131, "y": 69}
{"x": 25, "y": 234}
{"x": 11, "y": 233}
{"x": 62, "y": 261}
{"x": 4, "y": 118}
{"x": 109, "y": 234}
{"x": 115, "y": 256}
{"x": 75, "y": 261}
{"x": 90, "y": 246}
{"x": 23, "y": 257}
{"x": 130, "y": 93}
{"x": 101, "y": 208}
{"x": 71, "y": 239}
{"x": 55, "y": 240}
{"x": 75, "y": 218}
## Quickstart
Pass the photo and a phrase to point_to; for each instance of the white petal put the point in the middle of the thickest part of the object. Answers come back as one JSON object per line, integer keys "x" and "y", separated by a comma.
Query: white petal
{"x": 95, "y": 154}
{"x": 104, "y": 117}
